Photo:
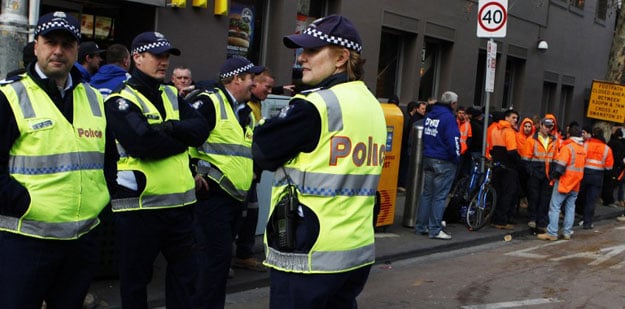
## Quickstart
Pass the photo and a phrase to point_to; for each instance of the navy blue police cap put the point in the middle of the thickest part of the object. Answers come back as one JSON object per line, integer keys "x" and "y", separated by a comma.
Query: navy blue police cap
{"x": 329, "y": 30}
{"x": 58, "y": 21}
{"x": 238, "y": 65}
{"x": 153, "y": 42}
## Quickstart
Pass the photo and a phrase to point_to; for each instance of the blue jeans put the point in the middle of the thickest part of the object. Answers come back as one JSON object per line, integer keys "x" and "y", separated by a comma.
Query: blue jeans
{"x": 438, "y": 176}
{"x": 557, "y": 199}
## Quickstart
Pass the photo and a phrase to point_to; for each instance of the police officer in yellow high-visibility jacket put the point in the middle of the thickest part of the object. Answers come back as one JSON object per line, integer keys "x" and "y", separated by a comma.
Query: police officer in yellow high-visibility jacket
{"x": 55, "y": 158}
{"x": 153, "y": 129}
{"x": 329, "y": 144}
{"x": 224, "y": 175}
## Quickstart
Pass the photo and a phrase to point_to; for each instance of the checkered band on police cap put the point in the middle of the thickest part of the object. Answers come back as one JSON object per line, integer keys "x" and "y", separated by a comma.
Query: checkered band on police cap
{"x": 329, "y": 30}
{"x": 58, "y": 21}
{"x": 238, "y": 65}
{"x": 236, "y": 71}
{"x": 336, "y": 40}
{"x": 153, "y": 42}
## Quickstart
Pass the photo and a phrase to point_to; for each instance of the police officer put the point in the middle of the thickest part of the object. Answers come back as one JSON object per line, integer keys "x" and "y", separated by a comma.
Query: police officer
{"x": 154, "y": 129}
{"x": 55, "y": 154}
{"x": 328, "y": 146}
{"x": 250, "y": 113}
{"x": 224, "y": 174}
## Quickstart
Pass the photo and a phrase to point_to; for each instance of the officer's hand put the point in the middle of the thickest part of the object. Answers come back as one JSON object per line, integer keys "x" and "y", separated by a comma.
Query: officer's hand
{"x": 200, "y": 183}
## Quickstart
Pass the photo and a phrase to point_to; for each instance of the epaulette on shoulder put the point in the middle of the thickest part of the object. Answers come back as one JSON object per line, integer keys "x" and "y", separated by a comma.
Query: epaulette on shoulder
{"x": 11, "y": 79}
{"x": 309, "y": 91}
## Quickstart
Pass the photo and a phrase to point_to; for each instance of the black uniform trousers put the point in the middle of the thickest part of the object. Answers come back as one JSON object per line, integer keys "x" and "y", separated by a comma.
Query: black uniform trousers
{"x": 311, "y": 291}
{"x": 58, "y": 271}
{"x": 141, "y": 235}
{"x": 214, "y": 229}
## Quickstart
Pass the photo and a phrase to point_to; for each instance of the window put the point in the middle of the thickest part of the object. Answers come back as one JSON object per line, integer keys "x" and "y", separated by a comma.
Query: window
{"x": 547, "y": 103}
{"x": 429, "y": 69}
{"x": 388, "y": 64}
{"x": 513, "y": 75}
{"x": 602, "y": 9}
{"x": 480, "y": 79}
{"x": 578, "y": 3}
{"x": 566, "y": 101}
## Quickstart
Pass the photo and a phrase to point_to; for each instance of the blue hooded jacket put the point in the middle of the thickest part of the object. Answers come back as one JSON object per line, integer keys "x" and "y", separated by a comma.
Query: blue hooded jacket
{"x": 108, "y": 78}
{"x": 441, "y": 137}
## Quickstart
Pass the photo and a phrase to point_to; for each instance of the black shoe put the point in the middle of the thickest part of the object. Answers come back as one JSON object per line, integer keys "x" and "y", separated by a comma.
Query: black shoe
{"x": 588, "y": 227}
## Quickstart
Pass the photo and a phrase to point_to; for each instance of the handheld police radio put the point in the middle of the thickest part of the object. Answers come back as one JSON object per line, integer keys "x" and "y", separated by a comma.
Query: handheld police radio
{"x": 284, "y": 218}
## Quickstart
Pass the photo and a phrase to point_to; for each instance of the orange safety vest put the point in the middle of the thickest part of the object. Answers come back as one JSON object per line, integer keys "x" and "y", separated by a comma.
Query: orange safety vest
{"x": 573, "y": 157}
{"x": 598, "y": 155}
{"x": 503, "y": 136}
{"x": 534, "y": 152}
{"x": 465, "y": 133}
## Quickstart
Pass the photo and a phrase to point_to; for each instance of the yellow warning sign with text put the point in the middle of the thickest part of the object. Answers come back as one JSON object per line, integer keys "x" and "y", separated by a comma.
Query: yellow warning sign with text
{"x": 607, "y": 101}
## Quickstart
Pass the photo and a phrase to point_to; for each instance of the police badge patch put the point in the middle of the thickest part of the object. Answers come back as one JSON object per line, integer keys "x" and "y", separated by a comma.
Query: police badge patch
{"x": 122, "y": 104}
{"x": 284, "y": 111}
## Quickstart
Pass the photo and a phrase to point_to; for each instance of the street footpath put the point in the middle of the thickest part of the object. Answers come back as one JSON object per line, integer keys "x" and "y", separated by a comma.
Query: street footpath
{"x": 394, "y": 242}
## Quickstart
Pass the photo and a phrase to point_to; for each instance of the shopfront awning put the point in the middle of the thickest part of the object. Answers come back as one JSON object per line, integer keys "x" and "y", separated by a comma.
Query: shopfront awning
{"x": 161, "y": 3}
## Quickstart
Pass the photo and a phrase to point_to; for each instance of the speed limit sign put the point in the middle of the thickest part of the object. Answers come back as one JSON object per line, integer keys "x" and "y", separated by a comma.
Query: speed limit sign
{"x": 491, "y": 18}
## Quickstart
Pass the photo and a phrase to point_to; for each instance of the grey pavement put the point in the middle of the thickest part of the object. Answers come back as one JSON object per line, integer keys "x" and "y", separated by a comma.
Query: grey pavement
{"x": 393, "y": 242}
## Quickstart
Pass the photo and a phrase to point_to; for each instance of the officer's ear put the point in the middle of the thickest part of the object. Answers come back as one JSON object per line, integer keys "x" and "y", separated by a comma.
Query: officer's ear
{"x": 342, "y": 55}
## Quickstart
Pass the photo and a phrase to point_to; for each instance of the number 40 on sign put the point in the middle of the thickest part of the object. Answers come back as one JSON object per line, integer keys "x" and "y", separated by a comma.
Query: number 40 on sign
{"x": 492, "y": 18}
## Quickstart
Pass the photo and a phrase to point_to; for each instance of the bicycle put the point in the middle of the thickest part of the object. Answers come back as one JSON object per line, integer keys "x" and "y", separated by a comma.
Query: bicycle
{"x": 473, "y": 198}
{"x": 482, "y": 205}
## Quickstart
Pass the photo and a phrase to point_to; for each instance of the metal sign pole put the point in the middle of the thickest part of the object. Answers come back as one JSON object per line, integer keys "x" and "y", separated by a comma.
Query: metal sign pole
{"x": 489, "y": 86}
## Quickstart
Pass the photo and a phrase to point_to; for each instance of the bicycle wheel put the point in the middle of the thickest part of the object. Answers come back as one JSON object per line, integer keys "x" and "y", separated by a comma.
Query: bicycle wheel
{"x": 481, "y": 208}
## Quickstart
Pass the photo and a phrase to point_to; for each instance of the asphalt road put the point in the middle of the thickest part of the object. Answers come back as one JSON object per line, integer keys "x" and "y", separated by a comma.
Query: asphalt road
{"x": 585, "y": 272}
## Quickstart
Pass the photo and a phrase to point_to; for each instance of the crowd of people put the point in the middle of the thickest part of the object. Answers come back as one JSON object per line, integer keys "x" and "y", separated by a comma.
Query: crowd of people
{"x": 176, "y": 164}
{"x": 537, "y": 165}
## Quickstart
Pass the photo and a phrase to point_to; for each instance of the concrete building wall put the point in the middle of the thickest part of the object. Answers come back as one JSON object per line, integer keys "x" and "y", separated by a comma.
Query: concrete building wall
{"x": 578, "y": 46}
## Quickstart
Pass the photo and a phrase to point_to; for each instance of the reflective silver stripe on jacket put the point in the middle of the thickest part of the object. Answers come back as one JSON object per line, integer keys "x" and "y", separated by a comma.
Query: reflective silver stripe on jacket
{"x": 172, "y": 97}
{"x": 57, "y": 163}
{"x": 222, "y": 181}
{"x": 335, "y": 116}
{"x": 144, "y": 107}
{"x": 156, "y": 201}
{"x": 27, "y": 106}
{"x": 323, "y": 184}
{"x": 571, "y": 167}
{"x": 599, "y": 163}
{"x": 93, "y": 100}
{"x": 63, "y": 230}
{"x": 227, "y": 150}
{"x": 222, "y": 106}
{"x": 322, "y": 261}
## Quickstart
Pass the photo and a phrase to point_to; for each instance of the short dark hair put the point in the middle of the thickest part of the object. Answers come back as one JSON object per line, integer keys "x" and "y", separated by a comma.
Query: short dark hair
{"x": 575, "y": 131}
{"x": 412, "y": 105}
{"x": 510, "y": 112}
{"x": 116, "y": 53}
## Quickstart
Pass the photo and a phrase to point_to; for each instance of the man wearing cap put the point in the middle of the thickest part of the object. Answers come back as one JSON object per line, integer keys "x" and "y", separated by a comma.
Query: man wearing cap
{"x": 89, "y": 59}
{"x": 537, "y": 154}
{"x": 327, "y": 150}
{"x": 224, "y": 174}
{"x": 56, "y": 158}
{"x": 153, "y": 130}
